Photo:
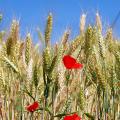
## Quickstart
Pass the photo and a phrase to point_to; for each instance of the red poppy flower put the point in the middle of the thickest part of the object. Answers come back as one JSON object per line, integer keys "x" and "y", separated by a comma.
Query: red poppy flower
{"x": 71, "y": 63}
{"x": 73, "y": 117}
{"x": 33, "y": 107}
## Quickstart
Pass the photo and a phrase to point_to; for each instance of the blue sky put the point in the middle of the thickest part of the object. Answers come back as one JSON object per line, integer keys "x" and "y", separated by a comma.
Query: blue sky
{"x": 66, "y": 14}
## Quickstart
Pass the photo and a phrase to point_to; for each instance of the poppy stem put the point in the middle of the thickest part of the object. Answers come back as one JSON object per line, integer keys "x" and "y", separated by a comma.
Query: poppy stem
{"x": 67, "y": 89}
{"x": 67, "y": 82}
{"x": 31, "y": 116}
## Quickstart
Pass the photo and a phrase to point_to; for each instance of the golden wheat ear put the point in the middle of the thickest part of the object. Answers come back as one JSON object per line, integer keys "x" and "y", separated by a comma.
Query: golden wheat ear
{"x": 48, "y": 30}
{"x": 28, "y": 48}
{"x": 98, "y": 21}
{"x": 82, "y": 23}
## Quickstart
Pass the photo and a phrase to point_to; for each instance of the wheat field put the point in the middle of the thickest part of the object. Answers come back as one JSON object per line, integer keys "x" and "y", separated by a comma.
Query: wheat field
{"x": 30, "y": 73}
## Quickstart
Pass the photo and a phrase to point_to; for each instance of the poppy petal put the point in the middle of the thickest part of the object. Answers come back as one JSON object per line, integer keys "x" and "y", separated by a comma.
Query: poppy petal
{"x": 33, "y": 107}
{"x": 72, "y": 117}
{"x": 68, "y": 118}
{"x": 29, "y": 108}
{"x": 76, "y": 117}
{"x": 78, "y": 66}
{"x": 69, "y": 61}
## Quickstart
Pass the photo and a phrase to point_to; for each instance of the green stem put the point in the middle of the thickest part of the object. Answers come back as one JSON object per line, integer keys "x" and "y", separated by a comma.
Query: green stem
{"x": 31, "y": 116}
{"x": 67, "y": 89}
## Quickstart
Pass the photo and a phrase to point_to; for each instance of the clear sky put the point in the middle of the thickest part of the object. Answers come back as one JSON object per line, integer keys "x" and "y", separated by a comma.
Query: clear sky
{"x": 66, "y": 14}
